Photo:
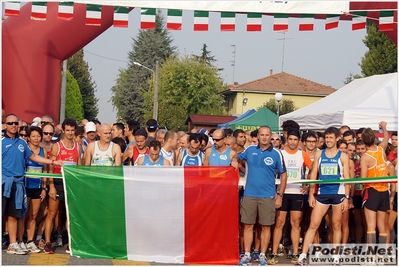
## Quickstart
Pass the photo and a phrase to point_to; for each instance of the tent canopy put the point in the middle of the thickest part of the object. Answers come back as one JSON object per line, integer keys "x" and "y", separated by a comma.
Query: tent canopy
{"x": 246, "y": 114}
{"x": 262, "y": 117}
{"x": 362, "y": 103}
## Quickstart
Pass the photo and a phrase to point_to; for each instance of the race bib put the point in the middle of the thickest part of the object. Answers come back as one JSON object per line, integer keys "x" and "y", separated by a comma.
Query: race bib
{"x": 34, "y": 169}
{"x": 69, "y": 163}
{"x": 293, "y": 173}
{"x": 329, "y": 169}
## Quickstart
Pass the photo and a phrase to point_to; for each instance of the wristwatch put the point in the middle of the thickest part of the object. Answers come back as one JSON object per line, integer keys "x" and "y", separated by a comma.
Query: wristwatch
{"x": 280, "y": 194}
{"x": 347, "y": 196}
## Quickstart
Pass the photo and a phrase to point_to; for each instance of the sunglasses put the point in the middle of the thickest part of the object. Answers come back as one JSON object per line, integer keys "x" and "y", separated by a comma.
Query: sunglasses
{"x": 217, "y": 140}
{"x": 23, "y": 135}
{"x": 45, "y": 122}
{"x": 12, "y": 122}
{"x": 277, "y": 139}
{"x": 48, "y": 133}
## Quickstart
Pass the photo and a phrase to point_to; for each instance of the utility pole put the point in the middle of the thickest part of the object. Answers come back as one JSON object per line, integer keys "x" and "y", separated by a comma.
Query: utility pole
{"x": 234, "y": 61}
{"x": 282, "y": 61}
{"x": 155, "y": 109}
{"x": 63, "y": 90}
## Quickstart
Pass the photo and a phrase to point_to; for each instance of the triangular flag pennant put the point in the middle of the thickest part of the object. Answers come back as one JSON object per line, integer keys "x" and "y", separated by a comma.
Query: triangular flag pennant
{"x": 359, "y": 20}
{"x": 306, "y": 22}
{"x": 254, "y": 22}
{"x": 12, "y": 9}
{"x": 93, "y": 14}
{"x": 227, "y": 21}
{"x": 332, "y": 21}
{"x": 65, "y": 10}
{"x": 121, "y": 16}
{"x": 386, "y": 20}
{"x": 39, "y": 11}
{"x": 175, "y": 19}
{"x": 280, "y": 22}
{"x": 201, "y": 20}
{"x": 148, "y": 18}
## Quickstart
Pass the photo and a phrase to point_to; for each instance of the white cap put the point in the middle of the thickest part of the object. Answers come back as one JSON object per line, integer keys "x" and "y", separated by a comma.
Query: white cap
{"x": 37, "y": 120}
{"x": 90, "y": 127}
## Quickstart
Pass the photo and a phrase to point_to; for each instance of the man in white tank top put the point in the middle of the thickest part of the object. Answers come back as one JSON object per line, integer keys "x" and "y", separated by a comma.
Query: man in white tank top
{"x": 103, "y": 152}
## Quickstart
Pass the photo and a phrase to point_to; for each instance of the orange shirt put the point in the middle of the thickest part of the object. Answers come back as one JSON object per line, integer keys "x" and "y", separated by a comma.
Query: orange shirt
{"x": 378, "y": 170}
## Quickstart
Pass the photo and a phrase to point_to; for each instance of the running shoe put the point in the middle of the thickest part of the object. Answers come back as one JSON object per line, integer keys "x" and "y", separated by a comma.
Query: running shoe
{"x": 301, "y": 260}
{"x": 255, "y": 255}
{"x": 294, "y": 258}
{"x": 40, "y": 244}
{"x": 23, "y": 247}
{"x": 31, "y": 246}
{"x": 245, "y": 260}
{"x": 273, "y": 260}
{"x": 48, "y": 249}
{"x": 58, "y": 242}
{"x": 67, "y": 250}
{"x": 262, "y": 260}
{"x": 15, "y": 249}
{"x": 280, "y": 251}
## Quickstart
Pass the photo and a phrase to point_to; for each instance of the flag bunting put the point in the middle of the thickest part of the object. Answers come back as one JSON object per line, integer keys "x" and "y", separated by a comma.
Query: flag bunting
{"x": 39, "y": 11}
{"x": 306, "y": 22}
{"x": 121, "y": 16}
{"x": 254, "y": 22}
{"x": 332, "y": 21}
{"x": 65, "y": 10}
{"x": 93, "y": 14}
{"x": 280, "y": 22}
{"x": 175, "y": 19}
{"x": 227, "y": 21}
{"x": 359, "y": 20}
{"x": 201, "y": 20}
{"x": 386, "y": 20}
{"x": 12, "y": 9}
{"x": 148, "y": 18}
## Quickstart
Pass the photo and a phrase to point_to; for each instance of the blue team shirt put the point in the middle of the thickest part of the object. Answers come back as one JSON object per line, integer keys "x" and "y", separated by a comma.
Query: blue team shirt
{"x": 262, "y": 166}
{"x": 32, "y": 166}
{"x": 13, "y": 155}
{"x": 147, "y": 162}
{"x": 219, "y": 159}
{"x": 330, "y": 169}
{"x": 188, "y": 160}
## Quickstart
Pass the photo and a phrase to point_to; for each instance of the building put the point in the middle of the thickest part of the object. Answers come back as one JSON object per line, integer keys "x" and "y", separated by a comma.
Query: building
{"x": 242, "y": 97}
{"x": 196, "y": 121}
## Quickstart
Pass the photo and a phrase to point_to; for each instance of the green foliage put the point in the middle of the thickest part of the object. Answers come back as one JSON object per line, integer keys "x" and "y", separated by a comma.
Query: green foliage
{"x": 80, "y": 71}
{"x": 186, "y": 86}
{"x": 205, "y": 56}
{"x": 382, "y": 55}
{"x": 286, "y": 106}
{"x": 74, "y": 102}
{"x": 147, "y": 48}
{"x": 351, "y": 77}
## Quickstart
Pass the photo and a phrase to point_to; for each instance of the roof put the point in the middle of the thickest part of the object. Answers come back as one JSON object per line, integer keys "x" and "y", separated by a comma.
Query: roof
{"x": 284, "y": 82}
{"x": 209, "y": 119}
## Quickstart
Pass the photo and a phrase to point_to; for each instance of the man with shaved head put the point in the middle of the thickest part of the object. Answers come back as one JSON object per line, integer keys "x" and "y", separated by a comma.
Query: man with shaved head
{"x": 219, "y": 154}
{"x": 103, "y": 152}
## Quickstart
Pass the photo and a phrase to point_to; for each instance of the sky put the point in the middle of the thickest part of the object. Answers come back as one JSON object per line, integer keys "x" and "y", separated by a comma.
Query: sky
{"x": 326, "y": 57}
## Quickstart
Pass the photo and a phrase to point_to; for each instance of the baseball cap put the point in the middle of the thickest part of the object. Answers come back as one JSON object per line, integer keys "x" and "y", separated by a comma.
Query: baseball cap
{"x": 152, "y": 124}
{"x": 203, "y": 131}
{"x": 37, "y": 120}
{"x": 90, "y": 127}
{"x": 294, "y": 132}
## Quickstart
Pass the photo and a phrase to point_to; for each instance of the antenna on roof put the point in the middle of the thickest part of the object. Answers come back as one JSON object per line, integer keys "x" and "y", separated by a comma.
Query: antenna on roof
{"x": 234, "y": 60}
{"x": 282, "y": 63}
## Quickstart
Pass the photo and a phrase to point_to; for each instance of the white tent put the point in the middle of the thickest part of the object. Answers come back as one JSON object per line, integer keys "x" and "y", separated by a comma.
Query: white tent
{"x": 362, "y": 103}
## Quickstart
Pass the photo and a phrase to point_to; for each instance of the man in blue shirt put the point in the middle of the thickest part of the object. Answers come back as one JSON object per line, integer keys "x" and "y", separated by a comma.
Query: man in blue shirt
{"x": 13, "y": 154}
{"x": 260, "y": 196}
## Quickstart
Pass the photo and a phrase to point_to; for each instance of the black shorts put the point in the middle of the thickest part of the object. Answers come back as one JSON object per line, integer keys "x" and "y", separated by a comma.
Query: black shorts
{"x": 33, "y": 193}
{"x": 357, "y": 202}
{"x": 60, "y": 190}
{"x": 376, "y": 201}
{"x": 395, "y": 203}
{"x": 330, "y": 199}
{"x": 9, "y": 203}
{"x": 292, "y": 202}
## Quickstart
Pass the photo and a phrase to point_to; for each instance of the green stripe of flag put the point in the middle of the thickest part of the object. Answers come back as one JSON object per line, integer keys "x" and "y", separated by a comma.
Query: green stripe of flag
{"x": 148, "y": 11}
{"x": 306, "y": 15}
{"x": 93, "y": 7}
{"x": 333, "y": 15}
{"x": 386, "y": 13}
{"x": 175, "y": 12}
{"x": 359, "y": 13}
{"x": 42, "y": 174}
{"x": 98, "y": 240}
{"x": 228, "y": 14}
{"x": 65, "y": 3}
{"x": 39, "y": 3}
{"x": 203, "y": 14}
{"x": 254, "y": 15}
{"x": 121, "y": 9}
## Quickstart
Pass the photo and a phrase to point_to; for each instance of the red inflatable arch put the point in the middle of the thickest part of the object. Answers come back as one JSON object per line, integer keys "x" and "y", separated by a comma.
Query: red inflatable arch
{"x": 33, "y": 52}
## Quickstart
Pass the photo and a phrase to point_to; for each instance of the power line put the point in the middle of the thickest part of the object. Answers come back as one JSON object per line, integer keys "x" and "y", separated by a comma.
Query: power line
{"x": 113, "y": 59}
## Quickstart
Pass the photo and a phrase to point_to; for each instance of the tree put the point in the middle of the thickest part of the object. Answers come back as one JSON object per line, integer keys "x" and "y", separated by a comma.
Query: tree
{"x": 351, "y": 77}
{"x": 147, "y": 48}
{"x": 81, "y": 72}
{"x": 74, "y": 102}
{"x": 286, "y": 106}
{"x": 205, "y": 56}
{"x": 382, "y": 55}
{"x": 186, "y": 86}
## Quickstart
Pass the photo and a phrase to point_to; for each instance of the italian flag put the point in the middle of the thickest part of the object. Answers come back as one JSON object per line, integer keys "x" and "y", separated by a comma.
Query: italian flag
{"x": 39, "y": 11}
{"x": 254, "y": 22}
{"x": 175, "y": 19}
{"x": 12, "y": 9}
{"x": 332, "y": 21}
{"x": 280, "y": 22}
{"x": 227, "y": 21}
{"x": 386, "y": 20}
{"x": 93, "y": 15}
{"x": 148, "y": 18}
{"x": 359, "y": 20}
{"x": 181, "y": 215}
{"x": 201, "y": 20}
{"x": 65, "y": 10}
{"x": 121, "y": 16}
{"x": 306, "y": 22}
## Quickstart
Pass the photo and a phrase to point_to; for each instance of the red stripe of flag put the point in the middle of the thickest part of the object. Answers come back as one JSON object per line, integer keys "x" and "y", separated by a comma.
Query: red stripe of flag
{"x": 386, "y": 27}
{"x": 66, "y": 16}
{"x": 200, "y": 27}
{"x": 147, "y": 25}
{"x": 280, "y": 27}
{"x": 254, "y": 28}
{"x": 11, "y": 13}
{"x": 358, "y": 26}
{"x": 93, "y": 21}
{"x": 38, "y": 16}
{"x": 173, "y": 26}
{"x": 121, "y": 23}
{"x": 212, "y": 239}
{"x": 306, "y": 27}
{"x": 332, "y": 25}
{"x": 228, "y": 27}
